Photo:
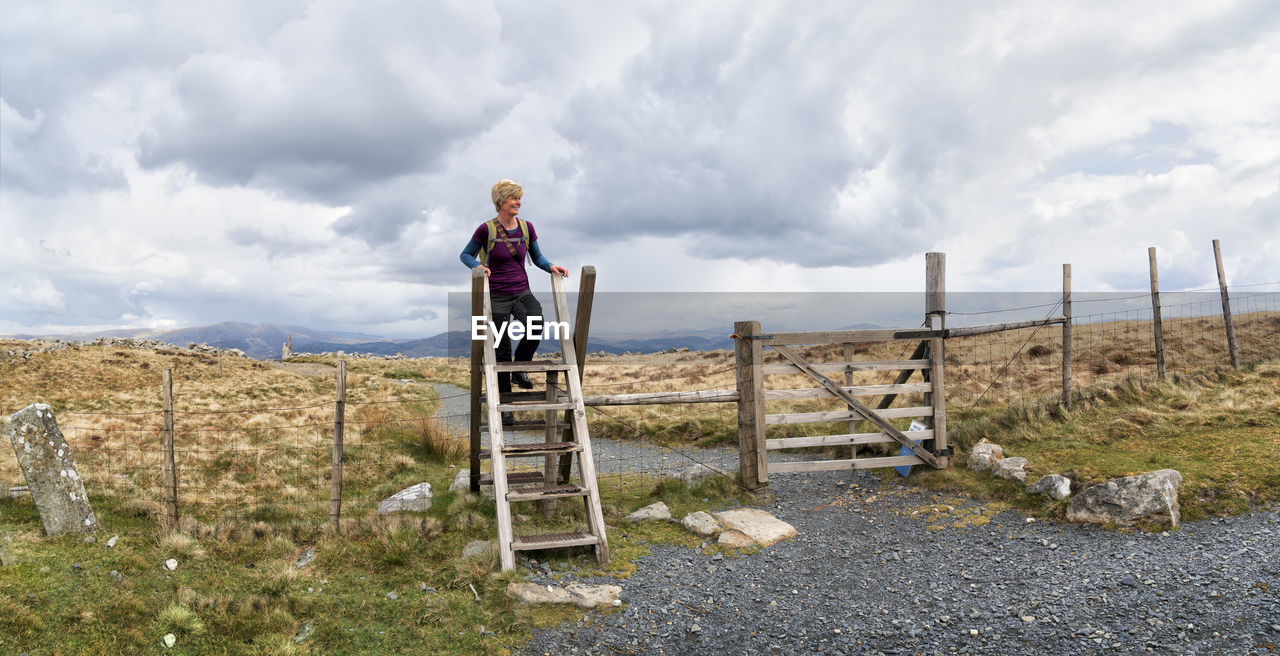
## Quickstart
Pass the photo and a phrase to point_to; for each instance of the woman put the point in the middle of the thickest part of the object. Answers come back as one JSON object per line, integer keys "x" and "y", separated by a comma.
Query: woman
{"x": 501, "y": 244}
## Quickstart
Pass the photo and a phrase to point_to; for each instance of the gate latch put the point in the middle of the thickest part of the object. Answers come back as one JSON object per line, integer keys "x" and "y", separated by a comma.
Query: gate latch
{"x": 947, "y": 452}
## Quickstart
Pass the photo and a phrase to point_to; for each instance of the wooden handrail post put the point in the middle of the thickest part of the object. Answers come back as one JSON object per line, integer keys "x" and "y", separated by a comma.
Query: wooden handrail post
{"x": 170, "y": 465}
{"x": 1066, "y": 336}
{"x": 339, "y": 412}
{"x": 1157, "y": 325}
{"x": 477, "y": 369}
{"x": 752, "y": 456}
{"x": 935, "y": 307}
{"x": 1226, "y": 307}
{"x": 581, "y": 331}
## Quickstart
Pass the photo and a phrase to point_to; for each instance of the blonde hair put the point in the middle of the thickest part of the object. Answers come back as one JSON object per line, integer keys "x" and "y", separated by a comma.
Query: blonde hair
{"x": 504, "y": 189}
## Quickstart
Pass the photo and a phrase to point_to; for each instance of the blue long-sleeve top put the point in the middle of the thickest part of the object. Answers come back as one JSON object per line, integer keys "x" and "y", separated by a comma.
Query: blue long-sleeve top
{"x": 469, "y": 253}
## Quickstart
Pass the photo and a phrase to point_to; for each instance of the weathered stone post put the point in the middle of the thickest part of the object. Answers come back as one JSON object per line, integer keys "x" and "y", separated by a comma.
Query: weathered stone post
{"x": 51, "y": 475}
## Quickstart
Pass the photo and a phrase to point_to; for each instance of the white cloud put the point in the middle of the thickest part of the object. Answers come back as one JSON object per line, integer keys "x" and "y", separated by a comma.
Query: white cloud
{"x": 319, "y": 163}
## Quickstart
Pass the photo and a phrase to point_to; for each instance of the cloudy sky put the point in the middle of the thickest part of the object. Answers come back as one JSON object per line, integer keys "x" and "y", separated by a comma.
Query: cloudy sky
{"x": 321, "y": 163}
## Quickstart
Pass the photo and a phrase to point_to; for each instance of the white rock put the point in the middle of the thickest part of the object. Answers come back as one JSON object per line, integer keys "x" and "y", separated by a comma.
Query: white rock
{"x": 756, "y": 524}
{"x": 169, "y": 640}
{"x": 171, "y": 564}
{"x": 701, "y": 523}
{"x": 413, "y": 498}
{"x": 1010, "y": 468}
{"x": 1057, "y": 486}
{"x": 984, "y": 454}
{"x": 654, "y": 511}
{"x": 475, "y": 548}
{"x": 735, "y": 539}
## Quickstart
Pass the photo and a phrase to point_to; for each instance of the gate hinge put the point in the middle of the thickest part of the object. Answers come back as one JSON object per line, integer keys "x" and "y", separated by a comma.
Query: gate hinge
{"x": 947, "y": 452}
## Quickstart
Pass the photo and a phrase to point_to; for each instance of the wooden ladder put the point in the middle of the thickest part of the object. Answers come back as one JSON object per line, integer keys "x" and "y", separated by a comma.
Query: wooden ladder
{"x": 553, "y": 482}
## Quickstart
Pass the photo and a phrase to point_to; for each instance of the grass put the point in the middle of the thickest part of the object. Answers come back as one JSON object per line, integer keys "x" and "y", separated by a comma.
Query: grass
{"x": 253, "y": 453}
{"x": 1220, "y": 429}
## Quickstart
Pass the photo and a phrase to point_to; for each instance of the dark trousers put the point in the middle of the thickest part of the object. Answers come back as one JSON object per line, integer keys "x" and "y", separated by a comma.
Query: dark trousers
{"x": 518, "y": 307}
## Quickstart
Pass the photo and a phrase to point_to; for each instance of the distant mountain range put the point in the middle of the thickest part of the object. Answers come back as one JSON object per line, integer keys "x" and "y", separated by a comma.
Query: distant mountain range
{"x": 264, "y": 341}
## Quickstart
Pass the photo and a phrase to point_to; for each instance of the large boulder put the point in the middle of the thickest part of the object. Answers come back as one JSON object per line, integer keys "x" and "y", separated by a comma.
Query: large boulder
{"x": 984, "y": 454}
{"x": 54, "y": 481}
{"x": 1150, "y": 497}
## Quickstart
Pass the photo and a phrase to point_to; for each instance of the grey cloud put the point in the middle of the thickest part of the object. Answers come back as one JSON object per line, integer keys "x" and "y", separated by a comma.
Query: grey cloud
{"x": 37, "y": 156}
{"x": 379, "y": 221}
{"x": 340, "y": 99}
{"x": 273, "y": 244}
{"x": 738, "y": 138}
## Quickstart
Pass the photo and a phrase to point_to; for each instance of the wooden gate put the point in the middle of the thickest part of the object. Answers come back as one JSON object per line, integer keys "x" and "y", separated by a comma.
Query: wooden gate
{"x": 921, "y": 447}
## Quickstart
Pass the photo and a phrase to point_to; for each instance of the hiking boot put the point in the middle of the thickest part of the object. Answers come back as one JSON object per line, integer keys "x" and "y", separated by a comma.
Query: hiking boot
{"x": 508, "y": 419}
{"x": 521, "y": 379}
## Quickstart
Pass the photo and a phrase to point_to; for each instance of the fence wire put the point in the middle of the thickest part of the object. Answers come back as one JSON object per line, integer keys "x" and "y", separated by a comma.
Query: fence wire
{"x": 274, "y": 464}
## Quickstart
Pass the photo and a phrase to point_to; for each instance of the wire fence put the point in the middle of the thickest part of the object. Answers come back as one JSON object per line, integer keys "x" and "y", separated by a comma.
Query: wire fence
{"x": 1026, "y": 364}
{"x": 275, "y": 463}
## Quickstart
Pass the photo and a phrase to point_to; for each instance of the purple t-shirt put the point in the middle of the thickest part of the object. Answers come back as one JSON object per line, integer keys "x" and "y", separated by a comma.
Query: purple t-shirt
{"x": 506, "y": 272}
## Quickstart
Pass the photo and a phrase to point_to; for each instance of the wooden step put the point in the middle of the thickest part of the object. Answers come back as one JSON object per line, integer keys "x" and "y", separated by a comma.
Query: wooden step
{"x": 552, "y": 541}
{"x": 532, "y": 366}
{"x": 533, "y": 407}
{"x": 533, "y": 449}
{"x": 547, "y": 492}
{"x": 539, "y": 449}
{"x": 519, "y": 397}
{"x": 515, "y": 478}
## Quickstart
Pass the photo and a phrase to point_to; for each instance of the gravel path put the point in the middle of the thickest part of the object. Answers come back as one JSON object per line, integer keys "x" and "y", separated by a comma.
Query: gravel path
{"x": 865, "y": 576}
{"x": 879, "y": 568}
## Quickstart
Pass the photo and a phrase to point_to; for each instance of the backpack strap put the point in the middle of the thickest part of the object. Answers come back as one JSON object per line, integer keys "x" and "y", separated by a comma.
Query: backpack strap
{"x": 497, "y": 231}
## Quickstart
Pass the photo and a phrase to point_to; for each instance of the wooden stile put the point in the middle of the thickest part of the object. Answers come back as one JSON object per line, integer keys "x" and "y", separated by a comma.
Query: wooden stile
{"x": 551, "y": 483}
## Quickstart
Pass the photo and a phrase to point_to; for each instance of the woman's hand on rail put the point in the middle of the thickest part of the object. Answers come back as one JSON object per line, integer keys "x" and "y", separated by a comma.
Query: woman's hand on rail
{"x": 561, "y": 270}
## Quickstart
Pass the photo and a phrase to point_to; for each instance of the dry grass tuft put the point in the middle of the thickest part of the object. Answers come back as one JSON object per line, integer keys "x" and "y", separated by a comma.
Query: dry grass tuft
{"x": 179, "y": 620}
{"x": 176, "y": 544}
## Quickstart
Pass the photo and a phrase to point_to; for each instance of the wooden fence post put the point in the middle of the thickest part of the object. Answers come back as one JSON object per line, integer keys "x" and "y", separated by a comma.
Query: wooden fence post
{"x": 1226, "y": 308}
{"x": 935, "y": 300}
{"x": 581, "y": 331}
{"x": 477, "y": 368}
{"x": 847, "y": 348}
{"x": 339, "y": 411}
{"x": 1155, "y": 313}
{"x": 753, "y": 464}
{"x": 1066, "y": 336}
{"x": 170, "y": 466}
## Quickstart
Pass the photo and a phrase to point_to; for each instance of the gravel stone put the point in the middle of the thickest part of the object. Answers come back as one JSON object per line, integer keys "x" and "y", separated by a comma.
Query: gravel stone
{"x": 1099, "y": 592}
